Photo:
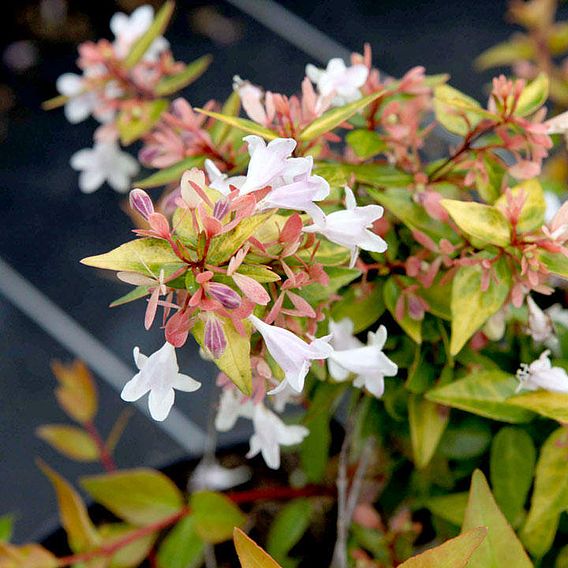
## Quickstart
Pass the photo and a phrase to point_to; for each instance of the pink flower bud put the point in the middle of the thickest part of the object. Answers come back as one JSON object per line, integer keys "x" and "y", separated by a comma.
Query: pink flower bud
{"x": 215, "y": 341}
{"x": 224, "y": 294}
{"x": 141, "y": 202}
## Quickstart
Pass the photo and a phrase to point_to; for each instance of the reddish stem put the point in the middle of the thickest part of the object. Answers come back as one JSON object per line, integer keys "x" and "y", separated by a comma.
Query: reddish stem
{"x": 106, "y": 459}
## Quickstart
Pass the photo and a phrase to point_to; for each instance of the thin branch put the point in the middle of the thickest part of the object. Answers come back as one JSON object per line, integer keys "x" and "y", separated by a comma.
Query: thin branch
{"x": 107, "y": 460}
{"x": 357, "y": 483}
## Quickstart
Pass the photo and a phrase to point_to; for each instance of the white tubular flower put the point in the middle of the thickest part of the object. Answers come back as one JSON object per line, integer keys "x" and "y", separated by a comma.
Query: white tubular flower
{"x": 350, "y": 227}
{"x": 540, "y": 323}
{"x": 558, "y": 314}
{"x": 339, "y": 80}
{"x": 553, "y": 205}
{"x": 232, "y": 406}
{"x": 159, "y": 375}
{"x": 300, "y": 192}
{"x": 104, "y": 162}
{"x": 540, "y": 374}
{"x": 80, "y": 103}
{"x": 220, "y": 181}
{"x": 267, "y": 162}
{"x": 127, "y": 29}
{"x": 368, "y": 363}
{"x": 292, "y": 354}
{"x": 342, "y": 339}
{"x": 270, "y": 433}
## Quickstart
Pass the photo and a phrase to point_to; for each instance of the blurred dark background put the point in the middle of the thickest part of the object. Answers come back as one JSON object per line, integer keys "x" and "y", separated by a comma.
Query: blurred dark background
{"x": 47, "y": 225}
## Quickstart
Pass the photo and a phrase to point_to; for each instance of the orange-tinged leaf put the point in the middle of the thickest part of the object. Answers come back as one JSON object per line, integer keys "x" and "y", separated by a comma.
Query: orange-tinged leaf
{"x": 76, "y": 393}
{"x": 81, "y": 533}
{"x": 454, "y": 553}
{"x": 250, "y": 554}
{"x": 71, "y": 441}
{"x": 26, "y": 556}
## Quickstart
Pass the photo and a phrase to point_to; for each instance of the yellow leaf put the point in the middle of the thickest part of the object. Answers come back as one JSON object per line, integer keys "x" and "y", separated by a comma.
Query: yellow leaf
{"x": 71, "y": 441}
{"x": 241, "y": 123}
{"x": 76, "y": 393}
{"x": 250, "y": 554}
{"x": 81, "y": 533}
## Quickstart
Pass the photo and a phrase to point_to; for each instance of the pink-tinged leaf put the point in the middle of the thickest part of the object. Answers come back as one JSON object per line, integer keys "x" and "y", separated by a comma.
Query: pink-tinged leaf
{"x": 152, "y": 308}
{"x": 177, "y": 329}
{"x": 252, "y": 289}
{"x": 292, "y": 229}
{"x": 301, "y": 305}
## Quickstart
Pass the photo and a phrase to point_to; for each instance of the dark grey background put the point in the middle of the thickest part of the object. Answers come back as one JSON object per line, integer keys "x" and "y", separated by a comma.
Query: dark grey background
{"x": 47, "y": 225}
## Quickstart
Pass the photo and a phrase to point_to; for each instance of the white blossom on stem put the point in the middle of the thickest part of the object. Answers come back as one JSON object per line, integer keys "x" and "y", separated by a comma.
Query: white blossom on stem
{"x": 104, "y": 162}
{"x": 292, "y": 354}
{"x": 159, "y": 375}
{"x": 351, "y": 227}
{"x": 367, "y": 362}
{"x": 540, "y": 374}
{"x": 339, "y": 80}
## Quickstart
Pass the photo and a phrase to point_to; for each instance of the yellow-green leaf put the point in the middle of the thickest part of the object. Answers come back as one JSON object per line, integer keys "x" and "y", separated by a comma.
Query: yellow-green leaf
{"x": 170, "y": 174}
{"x": 71, "y": 441}
{"x": 550, "y": 404}
{"x": 450, "y": 507}
{"x": 26, "y": 556}
{"x": 506, "y": 53}
{"x": 143, "y": 43}
{"x": 139, "y": 496}
{"x": 550, "y": 495}
{"x": 363, "y": 305}
{"x": 556, "y": 262}
{"x": 133, "y": 123}
{"x": 455, "y": 553}
{"x": 534, "y": 95}
{"x": 472, "y": 306}
{"x": 501, "y": 547}
{"x": 140, "y": 256}
{"x": 484, "y": 393}
{"x": 191, "y": 72}
{"x": 287, "y": 529}
{"x": 76, "y": 393}
{"x": 365, "y": 143}
{"x": 182, "y": 547}
{"x": 235, "y": 360}
{"x": 224, "y": 246}
{"x": 81, "y": 532}
{"x": 243, "y": 124}
{"x": 130, "y": 555}
{"x": 250, "y": 554}
{"x": 428, "y": 422}
{"x": 334, "y": 117}
{"x": 54, "y": 102}
{"x": 215, "y": 516}
{"x": 534, "y": 208}
{"x": 483, "y": 222}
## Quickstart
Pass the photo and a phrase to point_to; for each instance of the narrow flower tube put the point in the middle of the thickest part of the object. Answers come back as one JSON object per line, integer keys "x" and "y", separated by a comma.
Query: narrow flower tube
{"x": 215, "y": 340}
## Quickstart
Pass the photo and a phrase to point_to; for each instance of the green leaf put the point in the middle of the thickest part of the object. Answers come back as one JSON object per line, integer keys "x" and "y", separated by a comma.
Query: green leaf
{"x": 455, "y": 111}
{"x": 243, "y": 124}
{"x": 428, "y": 422}
{"x": 339, "y": 276}
{"x": 314, "y": 450}
{"x": 412, "y": 327}
{"x": 377, "y": 174}
{"x": 219, "y": 131}
{"x": 170, "y": 174}
{"x": 137, "y": 256}
{"x": 131, "y": 555}
{"x": 557, "y": 263}
{"x": 468, "y": 439}
{"x": 71, "y": 441}
{"x": 336, "y": 116}
{"x": 235, "y": 360}
{"x": 224, "y": 246}
{"x": 501, "y": 547}
{"x": 483, "y": 222}
{"x": 550, "y": 404}
{"x": 328, "y": 254}
{"x": 6, "y": 527}
{"x": 287, "y": 529}
{"x": 399, "y": 202}
{"x": 143, "y": 43}
{"x": 182, "y": 547}
{"x": 133, "y": 295}
{"x": 139, "y": 496}
{"x": 534, "y": 208}
{"x": 191, "y": 72}
{"x": 534, "y": 95}
{"x": 215, "y": 516}
{"x": 550, "y": 495}
{"x": 450, "y": 507}
{"x": 506, "y": 53}
{"x": 365, "y": 143}
{"x": 250, "y": 554}
{"x": 513, "y": 456}
{"x": 454, "y": 553}
{"x": 81, "y": 532}
{"x": 363, "y": 305}
{"x": 472, "y": 306}
{"x": 484, "y": 393}
{"x": 133, "y": 123}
